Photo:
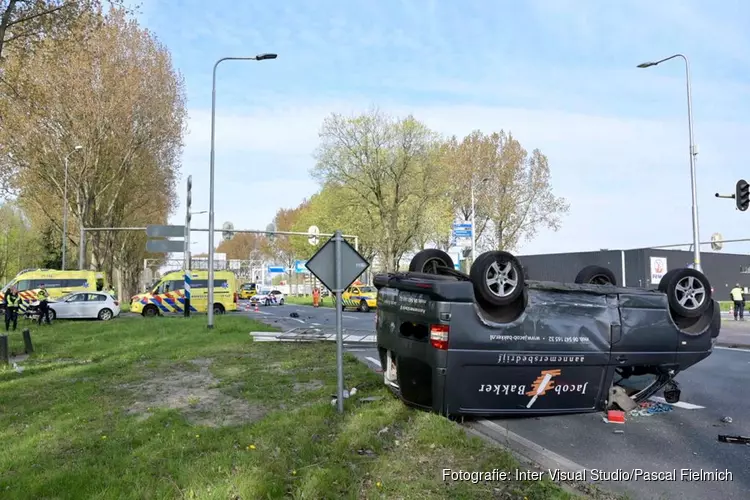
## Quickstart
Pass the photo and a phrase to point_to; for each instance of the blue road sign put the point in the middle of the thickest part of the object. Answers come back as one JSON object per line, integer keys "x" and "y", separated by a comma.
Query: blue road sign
{"x": 462, "y": 234}
{"x": 276, "y": 269}
{"x": 299, "y": 266}
{"x": 462, "y": 226}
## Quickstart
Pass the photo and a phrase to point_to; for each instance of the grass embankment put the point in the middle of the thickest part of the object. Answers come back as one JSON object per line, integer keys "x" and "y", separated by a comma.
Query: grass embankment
{"x": 164, "y": 408}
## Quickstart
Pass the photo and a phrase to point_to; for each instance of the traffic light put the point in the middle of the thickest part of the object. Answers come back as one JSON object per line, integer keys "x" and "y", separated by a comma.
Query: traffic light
{"x": 742, "y": 195}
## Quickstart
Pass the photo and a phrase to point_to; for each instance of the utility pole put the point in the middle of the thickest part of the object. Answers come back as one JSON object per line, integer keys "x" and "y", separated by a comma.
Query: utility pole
{"x": 188, "y": 216}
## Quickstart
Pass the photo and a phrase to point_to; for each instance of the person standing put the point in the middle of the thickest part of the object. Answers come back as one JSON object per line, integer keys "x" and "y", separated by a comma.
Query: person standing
{"x": 12, "y": 302}
{"x": 316, "y": 297}
{"x": 738, "y": 299}
{"x": 43, "y": 296}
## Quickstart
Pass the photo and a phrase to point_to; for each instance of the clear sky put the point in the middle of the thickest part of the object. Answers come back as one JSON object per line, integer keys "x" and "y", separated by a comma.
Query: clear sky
{"x": 560, "y": 74}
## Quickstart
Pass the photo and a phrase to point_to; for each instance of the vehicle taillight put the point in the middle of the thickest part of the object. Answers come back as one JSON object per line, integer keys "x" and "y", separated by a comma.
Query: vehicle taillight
{"x": 439, "y": 336}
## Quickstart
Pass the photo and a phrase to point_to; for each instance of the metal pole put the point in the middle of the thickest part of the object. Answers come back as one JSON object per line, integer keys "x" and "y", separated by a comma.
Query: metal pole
{"x": 473, "y": 217}
{"x": 210, "y": 283}
{"x": 186, "y": 263}
{"x": 82, "y": 248}
{"x": 693, "y": 154}
{"x": 339, "y": 323}
{"x": 65, "y": 214}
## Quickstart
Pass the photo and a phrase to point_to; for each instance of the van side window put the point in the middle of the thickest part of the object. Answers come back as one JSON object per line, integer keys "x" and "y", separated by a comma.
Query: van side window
{"x": 23, "y": 285}
{"x": 73, "y": 283}
{"x": 48, "y": 283}
{"x": 204, "y": 283}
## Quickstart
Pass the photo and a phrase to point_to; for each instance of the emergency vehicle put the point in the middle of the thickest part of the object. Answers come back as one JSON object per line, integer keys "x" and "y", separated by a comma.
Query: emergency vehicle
{"x": 168, "y": 295}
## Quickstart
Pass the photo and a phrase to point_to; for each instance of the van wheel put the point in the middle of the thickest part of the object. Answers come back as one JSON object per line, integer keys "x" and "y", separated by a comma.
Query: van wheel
{"x": 596, "y": 275}
{"x": 218, "y": 309}
{"x": 363, "y": 307}
{"x": 688, "y": 292}
{"x": 430, "y": 261}
{"x": 498, "y": 278}
{"x": 150, "y": 311}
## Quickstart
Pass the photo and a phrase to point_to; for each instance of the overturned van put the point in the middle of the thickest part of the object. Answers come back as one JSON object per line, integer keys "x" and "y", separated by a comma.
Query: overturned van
{"x": 492, "y": 343}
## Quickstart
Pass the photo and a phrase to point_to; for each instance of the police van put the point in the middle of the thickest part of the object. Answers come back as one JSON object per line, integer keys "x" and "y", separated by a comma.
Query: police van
{"x": 168, "y": 294}
{"x": 57, "y": 283}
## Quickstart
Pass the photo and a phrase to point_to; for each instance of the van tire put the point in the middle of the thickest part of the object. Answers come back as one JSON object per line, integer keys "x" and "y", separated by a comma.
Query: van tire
{"x": 596, "y": 275}
{"x": 688, "y": 292}
{"x": 428, "y": 261}
{"x": 500, "y": 265}
{"x": 218, "y": 309}
{"x": 150, "y": 311}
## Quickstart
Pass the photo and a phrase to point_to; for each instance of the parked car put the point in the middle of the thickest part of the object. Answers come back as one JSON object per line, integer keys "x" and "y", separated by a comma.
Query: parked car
{"x": 268, "y": 298}
{"x": 85, "y": 305}
{"x": 493, "y": 343}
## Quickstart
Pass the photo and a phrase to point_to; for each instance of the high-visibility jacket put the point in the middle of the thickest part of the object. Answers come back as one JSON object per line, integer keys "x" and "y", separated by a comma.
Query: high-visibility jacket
{"x": 736, "y": 293}
{"x": 12, "y": 301}
{"x": 42, "y": 295}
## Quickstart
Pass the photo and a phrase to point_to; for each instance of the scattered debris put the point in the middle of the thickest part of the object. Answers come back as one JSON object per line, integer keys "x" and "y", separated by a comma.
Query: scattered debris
{"x": 648, "y": 408}
{"x": 727, "y": 420}
{"x": 366, "y": 452}
{"x": 734, "y": 439}
{"x": 294, "y": 315}
{"x": 370, "y": 399}
{"x": 618, "y": 396}
{"x": 614, "y": 417}
{"x": 17, "y": 368}
{"x": 346, "y": 395}
{"x": 619, "y": 432}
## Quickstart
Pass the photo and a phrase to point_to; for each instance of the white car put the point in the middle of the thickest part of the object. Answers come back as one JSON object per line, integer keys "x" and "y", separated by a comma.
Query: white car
{"x": 268, "y": 297}
{"x": 85, "y": 305}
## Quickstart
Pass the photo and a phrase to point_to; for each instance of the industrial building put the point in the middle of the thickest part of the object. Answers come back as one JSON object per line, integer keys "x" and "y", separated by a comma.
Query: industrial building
{"x": 642, "y": 267}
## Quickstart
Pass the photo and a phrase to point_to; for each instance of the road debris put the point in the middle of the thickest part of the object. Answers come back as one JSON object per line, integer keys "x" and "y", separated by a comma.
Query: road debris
{"x": 370, "y": 399}
{"x": 648, "y": 408}
{"x": 347, "y": 394}
{"x": 618, "y": 431}
{"x": 727, "y": 420}
{"x": 734, "y": 439}
{"x": 614, "y": 417}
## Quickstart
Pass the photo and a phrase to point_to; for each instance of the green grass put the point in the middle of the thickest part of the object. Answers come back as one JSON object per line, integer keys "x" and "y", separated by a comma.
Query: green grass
{"x": 126, "y": 409}
{"x": 307, "y": 301}
{"x": 725, "y": 305}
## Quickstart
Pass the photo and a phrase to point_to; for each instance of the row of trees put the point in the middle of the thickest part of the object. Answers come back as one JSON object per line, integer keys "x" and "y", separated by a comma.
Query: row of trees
{"x": 400, "y": 186}
{"x": 74, "y": 74}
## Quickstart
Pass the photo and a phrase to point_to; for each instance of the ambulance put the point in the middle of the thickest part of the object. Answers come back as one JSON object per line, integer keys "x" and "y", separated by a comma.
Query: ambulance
{"x": 57, "y": 283}
{"x": 168, "y": 295}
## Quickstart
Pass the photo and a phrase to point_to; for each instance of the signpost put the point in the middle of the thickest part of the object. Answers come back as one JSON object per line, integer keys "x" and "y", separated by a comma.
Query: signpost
{"x": 337, "y": 264}
{"x": 188, "y": 218}
{"x": 165, "y": 245}
{"x": 276, "y": 269}
{"x": 461, "y": 231}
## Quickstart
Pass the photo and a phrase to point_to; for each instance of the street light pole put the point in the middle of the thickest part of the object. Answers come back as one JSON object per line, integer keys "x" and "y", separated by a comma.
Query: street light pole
{"x": 473, "y": 220}
{"x": 65, "y": 207}
{"x": 210, "y": 284}
{"x": 693, "y": 154}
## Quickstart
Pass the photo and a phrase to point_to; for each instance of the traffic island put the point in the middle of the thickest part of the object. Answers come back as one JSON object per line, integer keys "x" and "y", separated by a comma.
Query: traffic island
{"x": 161, "y": 409}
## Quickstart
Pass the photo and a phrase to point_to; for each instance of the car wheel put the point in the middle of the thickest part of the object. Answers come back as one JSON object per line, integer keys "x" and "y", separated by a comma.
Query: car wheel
{"x": 267, "y": 303}
{"x": 105, "y": 314}
{"x": 363, "y": 307}
{"x": 52, "y": 314}
{"x": 430, "y": 261}
{"x": 596, "y": 275}
{"x": 281, "y": 302}
{"x": 218, "y": 309}
{"x": 498, "y": 278}
{"x": 688, "y": 292}
{"x": 150, "y": 311}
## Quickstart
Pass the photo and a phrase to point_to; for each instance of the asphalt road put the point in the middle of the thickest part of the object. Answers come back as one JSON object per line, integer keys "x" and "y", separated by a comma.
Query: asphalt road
{"x": 321, "y": 318}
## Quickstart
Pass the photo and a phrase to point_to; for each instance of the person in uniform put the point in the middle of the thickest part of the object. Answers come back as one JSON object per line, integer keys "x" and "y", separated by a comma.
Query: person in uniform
{"x": 43, "y": 296}
{"x": 738, "y": 299}
{"x": 316, "y": 297}
{"x": 12, "y": 302}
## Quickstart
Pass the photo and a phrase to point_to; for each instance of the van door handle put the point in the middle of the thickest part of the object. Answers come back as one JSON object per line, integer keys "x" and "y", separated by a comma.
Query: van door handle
{"x": 621, "y": 358}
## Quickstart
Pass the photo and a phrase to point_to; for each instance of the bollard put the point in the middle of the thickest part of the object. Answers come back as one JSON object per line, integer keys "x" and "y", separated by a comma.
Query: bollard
{"x": 4, "y": 353}
{"x": 29, "y": 347}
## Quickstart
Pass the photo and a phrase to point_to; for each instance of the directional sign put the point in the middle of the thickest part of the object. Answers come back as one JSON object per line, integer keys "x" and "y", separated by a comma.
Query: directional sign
{"x": 299, "y": 266}
{"x": 462, "y": 234}
{"x": 155, "y": 231}
{"x": 165, "y": 246}
{"x": 276, "y": 269}
{"x": 465, "y": 225}
{"x": 323, "y": 264}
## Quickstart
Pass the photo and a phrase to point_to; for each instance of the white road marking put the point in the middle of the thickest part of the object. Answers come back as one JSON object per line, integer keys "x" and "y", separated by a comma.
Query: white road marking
{"x": 297, "y": 320}
{"x": 731, "y": 348}
{"x": 349, "y": 317}
{"x": 315, "y": 324}
{"x": 374, "y": 361}
{"x": 680, "y": 404}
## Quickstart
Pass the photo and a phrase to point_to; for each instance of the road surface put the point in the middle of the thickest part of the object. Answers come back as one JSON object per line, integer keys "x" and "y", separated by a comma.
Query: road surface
{"x": 685, "y": 438}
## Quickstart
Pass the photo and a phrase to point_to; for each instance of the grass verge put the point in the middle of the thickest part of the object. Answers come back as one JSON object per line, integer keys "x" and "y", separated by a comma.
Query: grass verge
{"x": 164, "y": 408}
{"x": 307, "y": 301}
